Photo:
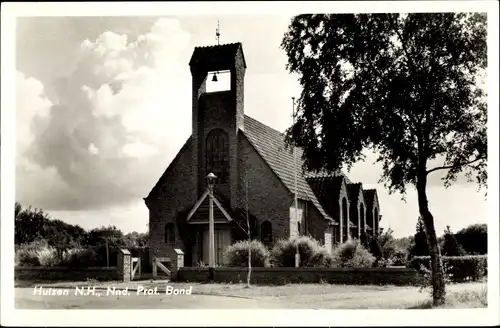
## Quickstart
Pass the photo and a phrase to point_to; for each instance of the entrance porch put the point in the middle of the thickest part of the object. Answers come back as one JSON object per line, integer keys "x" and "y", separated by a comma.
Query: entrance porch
{"x": 198, "y": 221}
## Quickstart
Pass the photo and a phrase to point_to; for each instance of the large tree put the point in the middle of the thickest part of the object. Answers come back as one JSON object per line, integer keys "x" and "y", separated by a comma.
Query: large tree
{"x": 404, "y": 85}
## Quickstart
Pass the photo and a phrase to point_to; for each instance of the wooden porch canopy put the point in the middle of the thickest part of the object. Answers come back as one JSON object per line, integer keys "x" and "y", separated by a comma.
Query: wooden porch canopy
{"x": 200, "y": 211}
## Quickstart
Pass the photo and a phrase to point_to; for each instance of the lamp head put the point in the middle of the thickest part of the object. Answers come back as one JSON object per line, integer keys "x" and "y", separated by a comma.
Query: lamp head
{"x": 211, "y": 179}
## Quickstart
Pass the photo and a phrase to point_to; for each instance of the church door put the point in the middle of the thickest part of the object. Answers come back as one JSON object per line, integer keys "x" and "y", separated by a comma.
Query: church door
{"x": 222, "y": 241}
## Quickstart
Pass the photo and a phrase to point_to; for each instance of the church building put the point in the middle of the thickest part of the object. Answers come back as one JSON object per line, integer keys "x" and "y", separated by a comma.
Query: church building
{"x": 255, "y": 173}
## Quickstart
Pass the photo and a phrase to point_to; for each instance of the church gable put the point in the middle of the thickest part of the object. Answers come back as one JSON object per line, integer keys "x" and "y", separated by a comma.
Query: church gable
{"x": 329, "y": 190}
{"x": 175, "y": 180}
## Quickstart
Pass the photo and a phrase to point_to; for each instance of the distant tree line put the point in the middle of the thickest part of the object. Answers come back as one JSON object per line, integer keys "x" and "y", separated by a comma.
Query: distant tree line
{"x": 389, "y": 250}
{"x": 472, "y": 240}
{"x": 34, "y": 225}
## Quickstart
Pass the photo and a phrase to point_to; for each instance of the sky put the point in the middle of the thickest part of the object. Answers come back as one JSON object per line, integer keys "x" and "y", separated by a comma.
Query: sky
{"x": 104, "y": 105}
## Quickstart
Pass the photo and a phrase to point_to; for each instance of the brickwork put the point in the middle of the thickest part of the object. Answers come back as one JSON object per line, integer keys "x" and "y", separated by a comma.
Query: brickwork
{"x": 316, "y": 224}
{"x": 174, "y": 196}
{"x": 279, "y": 276}
{"x": 268, "y": 199}
{"x": 357, "y": 211}
{"x": 124, "y": 265}
{"x": 217, "y": 114}
{"x": 66, "y": 274}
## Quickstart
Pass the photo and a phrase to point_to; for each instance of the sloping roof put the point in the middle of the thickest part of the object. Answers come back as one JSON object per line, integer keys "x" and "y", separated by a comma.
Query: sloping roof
{"x": 165, "y": 174}
{"x": 327, "y": 190}
{"x": 214, "y": 55}
{"x": 353, "y": 189}
{"x": 323, "y": 174}
{"x": 326, "y": 187}
{"x": 270, "y": 144}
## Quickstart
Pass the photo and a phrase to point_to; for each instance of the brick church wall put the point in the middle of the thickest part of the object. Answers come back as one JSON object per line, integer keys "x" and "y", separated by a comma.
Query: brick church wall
{"x": 316, "y": 224}
{"x": 172, "y": 198}
{"x": 268, "y": 199}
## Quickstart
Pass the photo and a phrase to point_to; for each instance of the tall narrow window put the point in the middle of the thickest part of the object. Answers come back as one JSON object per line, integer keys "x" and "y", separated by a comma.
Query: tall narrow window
{"x": 217, "y": 155}
{"x": 170, "y": 233}
{"x": 345, "y": 220}
{"x": 266, "y": 232}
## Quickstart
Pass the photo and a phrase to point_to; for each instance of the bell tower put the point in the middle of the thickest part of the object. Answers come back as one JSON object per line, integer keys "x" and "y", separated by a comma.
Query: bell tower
{"x": 218, "y": 114}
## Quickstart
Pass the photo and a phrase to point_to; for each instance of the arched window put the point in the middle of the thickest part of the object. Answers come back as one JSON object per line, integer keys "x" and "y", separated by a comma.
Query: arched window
{"x": 266, "y": 232}
{"x": 345, "y": 220}
{"x": 362, "y": 217}
{"x": 170, "y": 233}
{"x": 217, "y": 155}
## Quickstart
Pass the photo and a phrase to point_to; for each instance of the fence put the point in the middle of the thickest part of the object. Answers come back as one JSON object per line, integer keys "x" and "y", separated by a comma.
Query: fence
{"x": 279, "y": 276}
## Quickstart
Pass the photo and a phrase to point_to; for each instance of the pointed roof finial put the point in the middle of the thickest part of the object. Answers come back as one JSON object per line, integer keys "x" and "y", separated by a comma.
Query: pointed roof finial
{"x": 217, "y": 33}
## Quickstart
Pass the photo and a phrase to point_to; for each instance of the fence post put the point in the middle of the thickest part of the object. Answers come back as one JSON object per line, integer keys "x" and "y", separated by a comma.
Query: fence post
{"x": 155, "y": 273}
{"x": 179, "y": 260}
{"x": 124, "y": 264}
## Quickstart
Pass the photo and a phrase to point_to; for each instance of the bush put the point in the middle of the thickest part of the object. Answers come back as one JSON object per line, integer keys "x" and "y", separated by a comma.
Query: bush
{"x": 27, "y": 254}
{"x": 399, "y": 258}
{"x": 27, "y": 257}
{"x": 458, "y": 268}
{"x": 312, "y": 254}
{"x": 375, "y": 248}
{"x": 352, "y": 254}
{"x": 387, "y": 243}
{"x": 48, "y": 257}
{"x": 80, "y": 257}
{"x": 100, "y": 254}
{"x": 236, "y": 255}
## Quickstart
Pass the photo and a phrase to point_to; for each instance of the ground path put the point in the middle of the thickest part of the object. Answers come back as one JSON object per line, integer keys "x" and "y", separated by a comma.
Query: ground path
{"x": 233, "y": 296}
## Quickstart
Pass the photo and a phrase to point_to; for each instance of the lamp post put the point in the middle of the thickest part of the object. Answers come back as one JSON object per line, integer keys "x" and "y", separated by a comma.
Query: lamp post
{"x": 211, "y": 238}
{"x": 297, "y": 254}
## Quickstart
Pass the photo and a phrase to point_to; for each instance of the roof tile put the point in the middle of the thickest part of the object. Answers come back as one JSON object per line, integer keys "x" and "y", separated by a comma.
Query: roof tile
{"x": 270, "y": 144}
{"x": 214, "y": 55}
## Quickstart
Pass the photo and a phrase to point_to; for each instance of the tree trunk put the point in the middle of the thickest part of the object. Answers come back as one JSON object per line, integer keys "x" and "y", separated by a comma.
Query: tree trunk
{"x": 437, "y": 272}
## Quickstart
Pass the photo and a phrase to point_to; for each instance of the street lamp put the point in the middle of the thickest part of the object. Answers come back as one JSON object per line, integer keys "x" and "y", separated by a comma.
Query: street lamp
{"x": 211, "y": 238}
{"x": 297, "y": 254}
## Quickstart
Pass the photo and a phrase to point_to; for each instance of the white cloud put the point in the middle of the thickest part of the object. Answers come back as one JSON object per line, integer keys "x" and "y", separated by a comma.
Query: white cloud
{"x": 93, "y": 149}
{"x": 126, "y": 104}
{"x": 139, "y": 149}
{"x": 31, "y": 102}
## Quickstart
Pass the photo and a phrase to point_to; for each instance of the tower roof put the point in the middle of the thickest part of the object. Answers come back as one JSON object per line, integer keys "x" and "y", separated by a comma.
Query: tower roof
{"x": 212, "y": 56}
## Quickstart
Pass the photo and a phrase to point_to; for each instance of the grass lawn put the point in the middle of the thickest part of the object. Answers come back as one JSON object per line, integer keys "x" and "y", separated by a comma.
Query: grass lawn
{"x": 318, "y": 296}
{"x": 466, "y": 299}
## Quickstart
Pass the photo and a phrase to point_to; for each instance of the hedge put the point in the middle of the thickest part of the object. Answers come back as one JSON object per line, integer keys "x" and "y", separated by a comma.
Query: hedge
{"x": 458, "y": 268}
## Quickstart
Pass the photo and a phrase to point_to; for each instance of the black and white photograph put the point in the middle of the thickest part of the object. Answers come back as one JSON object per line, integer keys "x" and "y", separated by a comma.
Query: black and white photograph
{"x": 226, "y": 157}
